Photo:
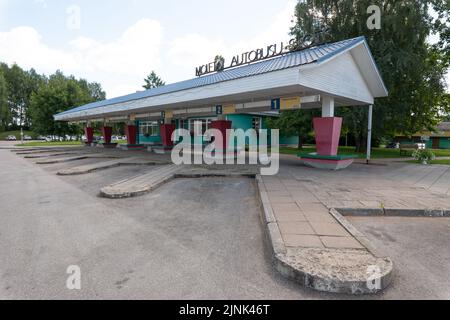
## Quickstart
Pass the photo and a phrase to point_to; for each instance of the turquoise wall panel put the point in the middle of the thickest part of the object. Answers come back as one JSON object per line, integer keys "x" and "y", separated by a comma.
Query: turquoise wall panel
{"x": 444, "y": 143}
{"x": 241, "y": 121}
{"x": 289, "y": 141}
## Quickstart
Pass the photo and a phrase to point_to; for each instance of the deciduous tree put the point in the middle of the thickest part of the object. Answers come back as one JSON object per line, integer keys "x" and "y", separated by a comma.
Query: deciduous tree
{"x": 412, "y": 69}
{"x": 58, "y": 94}
{"x": 5, "y": 116}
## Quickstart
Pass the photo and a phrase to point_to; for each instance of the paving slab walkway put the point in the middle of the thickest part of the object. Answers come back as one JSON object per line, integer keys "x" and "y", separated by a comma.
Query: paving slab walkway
{"x": 141, "y": 184}
{"x": 311, "y": 246}
{"x": 314, "y": 244}
{"x": 87, "y": 168}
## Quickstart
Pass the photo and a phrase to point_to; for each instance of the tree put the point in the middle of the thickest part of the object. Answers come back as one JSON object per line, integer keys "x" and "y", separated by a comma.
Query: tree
{"x": 96, "y": 91}
{"x": 412, "y": 69}
{"x": 32, "y": 83}
{"x": 153, "y": 81}
{"x": 294, "y": 123}
{"x": 20, "y": 85}
{"x": 5, "y": 116}
{"x": 58, "y": 94}
{"x": 16, "y": 80}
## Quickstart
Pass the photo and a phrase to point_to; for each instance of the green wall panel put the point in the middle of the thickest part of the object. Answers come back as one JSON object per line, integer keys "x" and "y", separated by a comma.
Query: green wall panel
{"x": 444, "y": 143}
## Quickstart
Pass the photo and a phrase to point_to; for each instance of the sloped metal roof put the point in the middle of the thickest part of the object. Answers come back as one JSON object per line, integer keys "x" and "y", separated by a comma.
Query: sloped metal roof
{"x": 444, "y": 126}
{"x": 289, "y": 60}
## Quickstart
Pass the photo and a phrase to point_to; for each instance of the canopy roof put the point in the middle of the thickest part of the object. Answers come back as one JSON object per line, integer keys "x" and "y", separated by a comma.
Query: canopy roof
{"x": 190, "y": 93}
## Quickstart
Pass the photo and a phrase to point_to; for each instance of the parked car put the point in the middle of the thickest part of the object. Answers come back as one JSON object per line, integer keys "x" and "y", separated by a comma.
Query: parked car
{"x": 41, "y": 138}
{"x": 393, "y": 145}
{"x": 27, "y": 138}
{"x": 11, "y": 138}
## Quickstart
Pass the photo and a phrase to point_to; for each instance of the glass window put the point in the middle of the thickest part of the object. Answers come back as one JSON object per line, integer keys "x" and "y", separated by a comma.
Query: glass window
{"x": 149, "y": 128}
{"x": 256, "y": 123}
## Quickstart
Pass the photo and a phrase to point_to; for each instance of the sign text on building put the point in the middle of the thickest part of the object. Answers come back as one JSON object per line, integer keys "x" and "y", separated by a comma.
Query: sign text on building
{"x": 246, "y": 58}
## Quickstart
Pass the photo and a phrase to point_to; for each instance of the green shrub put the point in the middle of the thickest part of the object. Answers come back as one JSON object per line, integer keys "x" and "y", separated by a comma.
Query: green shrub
{"x": 424, "y": 156}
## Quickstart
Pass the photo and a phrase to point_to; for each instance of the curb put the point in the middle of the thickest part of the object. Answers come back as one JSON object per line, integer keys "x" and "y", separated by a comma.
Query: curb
{"x": 392, "y": 212}
{"x": 288, "y": 267}
{"x": 355, "y": 233}
{"x": 134, "y": 194}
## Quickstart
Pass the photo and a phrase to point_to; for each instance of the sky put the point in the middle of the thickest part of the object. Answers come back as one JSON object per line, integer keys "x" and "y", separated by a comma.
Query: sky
{"x": 119, "y": 42}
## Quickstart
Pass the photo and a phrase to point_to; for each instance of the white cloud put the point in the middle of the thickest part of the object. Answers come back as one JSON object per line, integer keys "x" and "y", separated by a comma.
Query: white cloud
{"x": 3, "y": 5}
{"x": 24, "y": 46}
{"x": 118, "y": 65}
{"x": 42, "y": 3}
{"x": 138, "y": 47}
{"x": 195, "y": 49}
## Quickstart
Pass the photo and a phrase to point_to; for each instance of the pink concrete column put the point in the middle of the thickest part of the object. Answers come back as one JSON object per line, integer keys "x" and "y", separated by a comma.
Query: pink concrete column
{"x": 130, "y": 132}
{"x": 166, "y": 134}
{"x": 328, "y": 133}
{"x": 223, "y": 126}
{"x": 89, "y": 132}
{"x": 107, "y": 134}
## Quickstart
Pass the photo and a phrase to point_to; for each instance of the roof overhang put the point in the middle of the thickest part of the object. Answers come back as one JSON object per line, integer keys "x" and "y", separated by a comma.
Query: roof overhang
{"x": 293, "y": 81}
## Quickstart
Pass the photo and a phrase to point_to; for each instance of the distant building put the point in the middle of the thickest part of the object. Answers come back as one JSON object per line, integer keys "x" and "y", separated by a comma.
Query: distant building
{"x": 439, "y": 139}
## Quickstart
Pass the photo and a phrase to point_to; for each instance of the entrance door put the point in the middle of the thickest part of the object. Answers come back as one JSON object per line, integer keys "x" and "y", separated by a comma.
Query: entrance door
{"x": 435, "y": 143}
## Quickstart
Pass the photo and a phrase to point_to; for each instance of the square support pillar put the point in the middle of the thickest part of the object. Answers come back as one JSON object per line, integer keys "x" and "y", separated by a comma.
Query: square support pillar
{"x": 327, "y": 107}
{"x": 89, "y": 132}
{"x": 328, "y": 133}
{"x": 166, "y": 134}
{"x": 223, "y": 126}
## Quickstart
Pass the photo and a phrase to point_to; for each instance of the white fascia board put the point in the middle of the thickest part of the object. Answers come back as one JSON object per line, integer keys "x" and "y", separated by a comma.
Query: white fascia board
{"x": 339, "y": 77}
{"x": 369, "y": 69}
{"x": 366, "y": 63}
{"x": 276, "y": 79}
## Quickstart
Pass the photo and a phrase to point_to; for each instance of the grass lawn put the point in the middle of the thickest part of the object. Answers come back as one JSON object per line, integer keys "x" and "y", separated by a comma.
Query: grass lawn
{"x": 4, "y": 135}
{"x": 377, "y": 153}
{"x": 58, "y": 143}
{"x": 49, "y": 144}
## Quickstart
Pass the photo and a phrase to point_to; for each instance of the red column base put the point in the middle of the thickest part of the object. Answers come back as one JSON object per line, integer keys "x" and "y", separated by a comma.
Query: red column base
{"x": 328, "y": 133}
{"x": 89, "y": 132}
{"x": 223, "y": 126}
{"x": 130, "y": 132}
{"x": 107, "y": 134}
{"x": 166, "y": 134}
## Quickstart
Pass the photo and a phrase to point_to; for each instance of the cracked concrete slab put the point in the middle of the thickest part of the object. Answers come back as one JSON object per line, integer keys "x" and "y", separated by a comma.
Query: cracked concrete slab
{"x": 75, "y": 158}
{"x": 336, "y": 270}
{"x": 141, "y": 184}
{"x": 87, "y": 168}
